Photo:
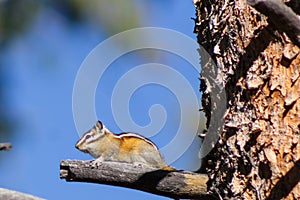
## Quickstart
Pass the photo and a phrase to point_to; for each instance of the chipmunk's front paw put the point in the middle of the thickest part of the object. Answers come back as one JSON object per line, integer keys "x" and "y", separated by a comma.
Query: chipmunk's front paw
{"x": 97, "y": 162}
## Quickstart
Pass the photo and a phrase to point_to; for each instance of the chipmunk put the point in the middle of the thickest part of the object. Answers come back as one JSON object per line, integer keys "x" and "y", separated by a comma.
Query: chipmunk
{"x": 105, "y": 145}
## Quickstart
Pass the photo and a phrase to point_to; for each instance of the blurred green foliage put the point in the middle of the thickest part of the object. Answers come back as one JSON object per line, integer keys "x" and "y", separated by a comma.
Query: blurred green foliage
{"x": 15, "y": 16}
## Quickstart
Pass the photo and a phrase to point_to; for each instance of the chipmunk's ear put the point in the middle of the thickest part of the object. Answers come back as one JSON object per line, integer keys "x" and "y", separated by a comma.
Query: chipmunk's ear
{"x": 99, "y": 125}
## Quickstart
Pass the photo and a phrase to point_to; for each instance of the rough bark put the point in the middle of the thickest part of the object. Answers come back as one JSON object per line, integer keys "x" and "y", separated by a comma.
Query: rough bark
{"x": 174, "y": 184}
{"x": 258, "y": 153}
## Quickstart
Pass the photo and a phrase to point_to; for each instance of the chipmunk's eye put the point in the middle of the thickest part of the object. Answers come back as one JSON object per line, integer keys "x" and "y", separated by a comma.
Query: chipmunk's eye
{"x": 87, "y": 137}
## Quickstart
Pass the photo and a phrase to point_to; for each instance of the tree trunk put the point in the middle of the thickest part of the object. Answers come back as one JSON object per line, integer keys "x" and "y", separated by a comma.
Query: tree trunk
{"x": 257, "y": 155}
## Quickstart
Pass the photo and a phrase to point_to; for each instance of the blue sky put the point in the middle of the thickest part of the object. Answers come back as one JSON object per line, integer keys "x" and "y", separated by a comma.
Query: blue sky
{"x": 41, "y": 67}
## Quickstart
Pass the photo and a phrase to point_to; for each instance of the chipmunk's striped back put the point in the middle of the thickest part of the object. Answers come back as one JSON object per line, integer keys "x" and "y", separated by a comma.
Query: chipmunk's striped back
{"x": 135, "y": 135}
